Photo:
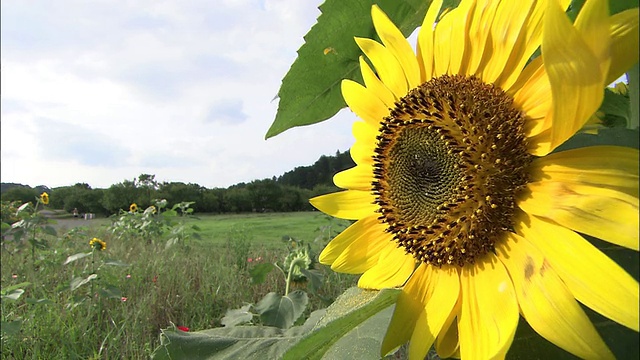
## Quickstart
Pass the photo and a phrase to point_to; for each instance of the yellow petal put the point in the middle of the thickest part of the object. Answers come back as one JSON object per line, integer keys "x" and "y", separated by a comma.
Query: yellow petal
{"x": 624, "y": 43}
{"x": 425, "y": 41}
{"x": 613, "y": 167}
{"x": 527, "y": 43}
{"x": 479, "y": 36}
{"x": 373, "y": 83}
{"x": 392, "y": 270}
{"x": 439, "y": 299}
{"x": 451, "y": 39}
{"x": 364, "y": 252}
{"x": 386, "y": 65}
{"x": 489, "y": 310}
{"x": 395, "y": 42}
{"x": 546, "y": 302}
{"x": 409, "y": 304}
{"x": 593, "y": 24}
{"x": 457, "y": 42}
{"x": 508, "y": 24}
{"x": 604, "y": 213}
{"x": 355, "y": 178}
{"x": 349, "y": 204}
{"x": 362, "y": 150}
{"x": 574, "y": 72}
{"x": 448, "y": 342}
{"x": 533, "y": 97}
{"x": 364, "y": 103}
{"x": 368, "y": 227}
{"x": 593, "y": 278}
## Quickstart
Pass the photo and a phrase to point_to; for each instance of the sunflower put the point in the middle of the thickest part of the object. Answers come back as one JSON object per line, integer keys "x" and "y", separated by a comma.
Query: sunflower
{"x": 44, "y": 198}
{"x": 133, "y": 207}
{"x": 98, "y": 244}
{"x": 457, "y": 194}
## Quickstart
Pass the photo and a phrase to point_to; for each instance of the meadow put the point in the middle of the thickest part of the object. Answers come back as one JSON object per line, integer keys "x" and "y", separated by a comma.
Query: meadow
{"x": 53, "y": 310}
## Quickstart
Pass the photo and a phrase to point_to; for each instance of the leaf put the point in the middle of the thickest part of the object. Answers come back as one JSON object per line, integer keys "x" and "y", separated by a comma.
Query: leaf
{"x": 259, "y": 272}
{"x": 13, "y": 287}
{"x": 38, "y": 301}
{"x": 615, "y": 106}
{"x": 613, "y": 136}
{"x": 315, "y": 279}
{"x": 235, "y": 317}
{"x": 238, "y": 342}
{"x": 10, "y": 327}
{"x": 115, "y": 263}
{"x": 13, "y": 295}
{"x": 349, "y": 311}
{"x": 50, "y": 230}
{"x": 77, "y": 282}
{"x": 110, "y": 292}
{"x": 310, "y": 91}
{"x": 282, "y": 311}
{"x": 363, "y": 341}
{"x": 75, "y": 257}
{"x": 634, "y": 94}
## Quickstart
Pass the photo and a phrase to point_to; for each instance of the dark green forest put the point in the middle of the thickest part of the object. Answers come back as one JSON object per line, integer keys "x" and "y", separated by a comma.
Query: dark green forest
{"x": 290, "y": 191}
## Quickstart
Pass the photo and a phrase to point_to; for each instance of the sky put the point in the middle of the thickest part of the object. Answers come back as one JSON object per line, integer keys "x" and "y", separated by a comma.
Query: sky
{"x": 99, "y": 92}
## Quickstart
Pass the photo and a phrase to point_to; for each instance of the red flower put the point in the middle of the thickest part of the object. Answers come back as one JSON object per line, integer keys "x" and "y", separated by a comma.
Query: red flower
{"x": 183, "y": 328}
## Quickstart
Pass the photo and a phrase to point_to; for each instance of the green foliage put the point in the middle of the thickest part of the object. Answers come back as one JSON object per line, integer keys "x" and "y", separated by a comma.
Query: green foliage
{"x": 152, "y": 224}
{"x": 310, "y": 91}
{"x": 191, "y": 286}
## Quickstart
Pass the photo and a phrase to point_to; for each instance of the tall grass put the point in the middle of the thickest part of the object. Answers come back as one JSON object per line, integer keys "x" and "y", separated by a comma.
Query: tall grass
{"x": 189, "y": 285}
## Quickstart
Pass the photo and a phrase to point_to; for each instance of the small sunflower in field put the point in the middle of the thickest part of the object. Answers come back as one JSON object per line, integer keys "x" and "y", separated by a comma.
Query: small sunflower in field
{"x": 133, "y": 207}
{"x": 44, "y": 198}
{"x": 98, "y": 244}
{"x": 457, "y": 194}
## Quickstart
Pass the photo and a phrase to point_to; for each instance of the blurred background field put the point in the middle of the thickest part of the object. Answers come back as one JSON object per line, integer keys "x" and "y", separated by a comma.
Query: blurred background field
{"x": 143, "y": 285}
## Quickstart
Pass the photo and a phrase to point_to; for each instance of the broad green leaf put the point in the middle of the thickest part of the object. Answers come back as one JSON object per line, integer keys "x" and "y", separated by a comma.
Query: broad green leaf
{"x": 50, "y": 230}
{"x": 634, "y": 95}
{"x": 110, "y": 292}
{"x": 349, "y": 311}
{"x": 616, "y": 109}
{"x": 115, "y": 263}
{"x": 238, "y": 342}
{"x": 38, "y": 301}
{"x": 78, "y": 281}
{"x": 259, "y": 272}
{"x": 235, "y": 317}
{"x": 613, "y": 136}
{"x": 315, "y": 279}
{"x": 310, "y": 91}
{"x": 363, "y": 342}
{"x": 13, "y": 295}
{"x": 13, "y": 287}
{"x": 75, "y": 257}
{"x": 10, "y": 327}
{"x": 282, "y": 311}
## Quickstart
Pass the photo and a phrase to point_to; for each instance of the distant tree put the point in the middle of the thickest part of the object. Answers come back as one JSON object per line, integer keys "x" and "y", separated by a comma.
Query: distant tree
{"x": 20, "y": 193}
{"x": 237, "y": 199}
{"x": 177, "y": 192}
{"x": 120, "y": 196}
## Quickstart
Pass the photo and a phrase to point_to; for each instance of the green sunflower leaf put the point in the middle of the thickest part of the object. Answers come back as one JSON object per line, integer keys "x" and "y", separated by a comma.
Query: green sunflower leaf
{"x": 342, "y": 330}
{"x": 310, "y": 91}
{"x": 236, "y": 342}
{"x": 282, "y": 311}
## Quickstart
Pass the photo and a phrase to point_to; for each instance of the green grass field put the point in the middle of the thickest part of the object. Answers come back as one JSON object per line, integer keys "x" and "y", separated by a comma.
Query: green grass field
{"x": 142, "y": 286}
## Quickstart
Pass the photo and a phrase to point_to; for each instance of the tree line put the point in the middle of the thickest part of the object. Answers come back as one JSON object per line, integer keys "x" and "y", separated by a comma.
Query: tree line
{"x": 288, "y": 192}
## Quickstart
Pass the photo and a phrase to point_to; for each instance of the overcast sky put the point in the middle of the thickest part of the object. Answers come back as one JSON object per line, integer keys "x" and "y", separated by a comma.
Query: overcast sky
{"x": 103, "y": 91}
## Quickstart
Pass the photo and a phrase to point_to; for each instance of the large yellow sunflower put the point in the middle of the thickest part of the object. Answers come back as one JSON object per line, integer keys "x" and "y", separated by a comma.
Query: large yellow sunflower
{"x": 456, "y": 193}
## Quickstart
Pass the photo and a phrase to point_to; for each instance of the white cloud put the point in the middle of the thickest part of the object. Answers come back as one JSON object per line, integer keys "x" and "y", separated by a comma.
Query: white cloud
{"x": 99, "y": 92}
